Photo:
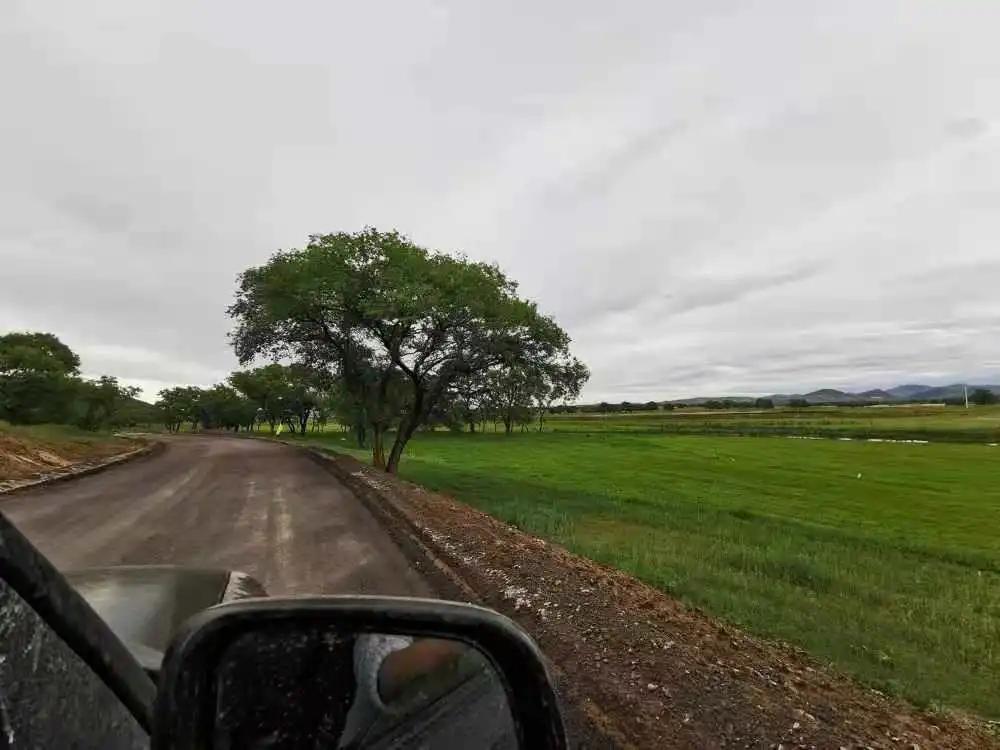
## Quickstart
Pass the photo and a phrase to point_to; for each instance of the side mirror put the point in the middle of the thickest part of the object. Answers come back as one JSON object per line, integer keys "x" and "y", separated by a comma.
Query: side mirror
{"x": 354, "y": 672}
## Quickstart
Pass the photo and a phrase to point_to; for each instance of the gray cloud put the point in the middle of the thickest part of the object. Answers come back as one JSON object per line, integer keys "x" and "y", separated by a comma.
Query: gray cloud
{"x": 704, "y": 292}
{"x": 967, "y": 127}
{"x": 710, "y": 197}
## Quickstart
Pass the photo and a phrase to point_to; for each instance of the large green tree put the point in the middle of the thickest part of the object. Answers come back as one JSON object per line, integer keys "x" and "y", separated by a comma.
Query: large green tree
{"x": 283, "y": 394}
{"x": 266, "y": 388}
{"x": 384, "y": 315}
{"x": 303, "y": 397}
{"x": 515, "y": 391}
{"x": 36, "y": 352}
{"x": 472, "y": 400}
{"x": 223, "y": 407}
{"x": 101, "y": 401}
{"x": 38, "y": 380}
{"x": 560, "y": 379}
{"x": 983, "y": 397}
{"x": 179, "y": 405}
{"x": 512, "y": 391}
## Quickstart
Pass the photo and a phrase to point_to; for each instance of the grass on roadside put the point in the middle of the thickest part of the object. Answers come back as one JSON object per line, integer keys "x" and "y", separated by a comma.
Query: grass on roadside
{"x": 883, "y": 559}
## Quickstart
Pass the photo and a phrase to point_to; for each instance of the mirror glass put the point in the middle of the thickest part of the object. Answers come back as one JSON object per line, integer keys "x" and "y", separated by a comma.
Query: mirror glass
{"x": 285, "y": 686}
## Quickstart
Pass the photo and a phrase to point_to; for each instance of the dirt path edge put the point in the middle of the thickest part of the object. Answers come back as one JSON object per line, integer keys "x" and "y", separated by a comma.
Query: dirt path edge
{"x": 586, "y": 724}
{"x": 85, "y": 468}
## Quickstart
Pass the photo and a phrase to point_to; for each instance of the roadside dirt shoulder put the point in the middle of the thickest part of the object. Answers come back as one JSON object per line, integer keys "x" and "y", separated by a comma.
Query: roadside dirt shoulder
{"x": 26, "y": 464}
{"x": 640, "y": 668}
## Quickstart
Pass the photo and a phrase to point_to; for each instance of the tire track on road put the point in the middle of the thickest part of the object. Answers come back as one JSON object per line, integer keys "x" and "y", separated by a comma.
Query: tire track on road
{"x": 260, "y": 507}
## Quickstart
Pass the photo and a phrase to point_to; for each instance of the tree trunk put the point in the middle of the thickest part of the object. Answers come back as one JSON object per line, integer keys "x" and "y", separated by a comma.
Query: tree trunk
{"x": 402, "y": 438}
{"x": 406, "y": 430}
{"x": 378, "y": 447}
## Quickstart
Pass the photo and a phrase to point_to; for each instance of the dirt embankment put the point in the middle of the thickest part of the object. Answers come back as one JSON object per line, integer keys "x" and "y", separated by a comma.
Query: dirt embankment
{"x": 638, "y": 668}
{"x": 31, "y": 454}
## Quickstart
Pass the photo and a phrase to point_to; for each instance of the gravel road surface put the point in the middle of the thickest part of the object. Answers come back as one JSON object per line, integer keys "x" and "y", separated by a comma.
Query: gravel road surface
{"x": 263, "y": 508}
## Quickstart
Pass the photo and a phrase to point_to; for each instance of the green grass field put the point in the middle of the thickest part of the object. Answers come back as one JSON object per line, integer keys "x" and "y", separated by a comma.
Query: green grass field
{"x": 938, "y": 423}
{"x": 881, "y": 558}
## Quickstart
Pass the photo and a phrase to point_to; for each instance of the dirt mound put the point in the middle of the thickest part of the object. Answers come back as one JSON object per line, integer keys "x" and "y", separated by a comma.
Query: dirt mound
{"x": 26, "y": 457}
{"x": 644, "y": 669}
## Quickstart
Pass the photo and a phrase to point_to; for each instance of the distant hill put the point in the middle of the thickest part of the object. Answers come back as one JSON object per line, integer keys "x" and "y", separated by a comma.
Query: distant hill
{"x": 877, "y": 394}
{"x": 829, "y": 396}
{"x": 907, "y": 391}
{"x": 898, "y": 394}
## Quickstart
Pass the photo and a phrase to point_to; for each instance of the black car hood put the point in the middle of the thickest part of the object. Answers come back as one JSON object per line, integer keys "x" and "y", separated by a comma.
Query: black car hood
{"x": 145, "y": 604}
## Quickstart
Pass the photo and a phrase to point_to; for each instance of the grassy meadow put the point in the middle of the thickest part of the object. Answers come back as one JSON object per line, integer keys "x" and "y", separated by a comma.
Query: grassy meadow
{"x": 918, "y": 422}
{"x": 881, "y": 558}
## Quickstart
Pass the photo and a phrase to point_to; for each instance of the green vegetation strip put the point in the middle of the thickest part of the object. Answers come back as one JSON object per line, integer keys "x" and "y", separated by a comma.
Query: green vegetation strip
{"x": 58, "y": 434}
{"x": 883, "y": 559}
{"x": 932, "y": 423}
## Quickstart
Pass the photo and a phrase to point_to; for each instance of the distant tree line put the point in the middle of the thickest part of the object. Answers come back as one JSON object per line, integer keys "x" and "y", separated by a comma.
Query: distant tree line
{"x": 274, "y": 395}
{"x": 40, "y": 382}
{"x": 724, "y": 403}
{"x": 624, "y": 407}
{"x": 983, "y": 397}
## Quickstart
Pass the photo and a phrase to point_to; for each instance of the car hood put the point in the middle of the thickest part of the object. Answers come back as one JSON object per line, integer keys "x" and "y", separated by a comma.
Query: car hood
{"x": 145, "y": 604}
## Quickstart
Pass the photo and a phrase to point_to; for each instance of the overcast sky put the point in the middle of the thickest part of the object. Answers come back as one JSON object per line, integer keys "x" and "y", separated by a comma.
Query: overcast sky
{"x": 711, "y": 197}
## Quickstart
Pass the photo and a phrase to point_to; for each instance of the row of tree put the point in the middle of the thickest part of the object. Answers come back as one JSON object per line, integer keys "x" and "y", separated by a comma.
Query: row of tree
{"x": 40, "y": 382}
{"x": 627, "y": 407}
{"x": 298, "y": 399}
{"x": 274, "y": 395}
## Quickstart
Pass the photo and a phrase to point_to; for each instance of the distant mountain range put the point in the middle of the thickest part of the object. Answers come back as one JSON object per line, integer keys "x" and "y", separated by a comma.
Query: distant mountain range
{"x": 899, "y": 394}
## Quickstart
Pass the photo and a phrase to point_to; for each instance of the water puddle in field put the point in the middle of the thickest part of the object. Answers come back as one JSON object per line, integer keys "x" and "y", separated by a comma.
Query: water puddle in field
{"x": 884, "y": 440}
{"x": 863, "y": 440}
{"x": 892, "y": 440}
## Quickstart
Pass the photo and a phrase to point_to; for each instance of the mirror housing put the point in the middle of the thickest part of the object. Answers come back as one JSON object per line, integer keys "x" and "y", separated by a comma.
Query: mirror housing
{"x": 187, "y": 698}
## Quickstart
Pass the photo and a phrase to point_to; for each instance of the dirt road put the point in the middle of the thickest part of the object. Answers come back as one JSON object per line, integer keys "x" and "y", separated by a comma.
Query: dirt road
{"x": 249, "y": 505}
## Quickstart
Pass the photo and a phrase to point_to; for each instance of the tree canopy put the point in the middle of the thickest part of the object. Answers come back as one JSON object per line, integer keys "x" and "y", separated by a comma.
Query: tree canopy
{"x": 280, "y": 393}
{"x": 983, "y": 397}
{"x": 180, "y": 405}
{"x": 101, "y": 401}
{"x": 399, "y": 326}
{"x": 40, "y": 382}
{"x": 36, "y": 353}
